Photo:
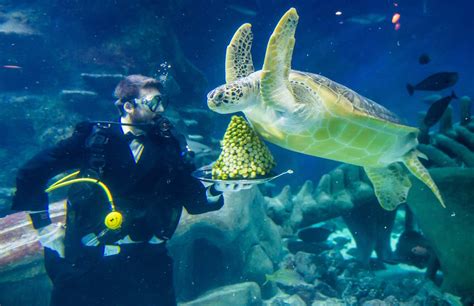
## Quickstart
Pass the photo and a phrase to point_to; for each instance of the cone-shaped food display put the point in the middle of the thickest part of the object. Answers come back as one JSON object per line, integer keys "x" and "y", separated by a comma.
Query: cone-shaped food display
{"x": 244, "y": 155}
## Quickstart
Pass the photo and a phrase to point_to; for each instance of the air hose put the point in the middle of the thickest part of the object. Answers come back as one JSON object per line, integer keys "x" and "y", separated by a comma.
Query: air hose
{"x": 114, "y": 219}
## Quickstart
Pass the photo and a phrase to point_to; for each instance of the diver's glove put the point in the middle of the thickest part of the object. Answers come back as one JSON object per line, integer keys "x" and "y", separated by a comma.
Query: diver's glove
{"x": 52, "y": 237}
{"x": 161, "y": 127}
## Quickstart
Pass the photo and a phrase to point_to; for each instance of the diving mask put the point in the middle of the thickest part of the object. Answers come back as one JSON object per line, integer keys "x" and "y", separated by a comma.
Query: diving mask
{"x": 153, "y": 103}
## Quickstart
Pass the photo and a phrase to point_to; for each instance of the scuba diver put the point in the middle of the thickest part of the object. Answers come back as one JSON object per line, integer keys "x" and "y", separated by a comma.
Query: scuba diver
{"x": 123, "y": 204}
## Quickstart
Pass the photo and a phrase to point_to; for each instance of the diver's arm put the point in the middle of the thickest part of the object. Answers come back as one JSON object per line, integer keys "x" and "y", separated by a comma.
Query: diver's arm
{"x": 33, "y": 176}
{"x": 196, "y": 197}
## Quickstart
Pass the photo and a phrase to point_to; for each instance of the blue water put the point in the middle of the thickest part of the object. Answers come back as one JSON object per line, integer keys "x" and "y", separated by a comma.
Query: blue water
{"x": 374, "y": 60}
{"x": 71, "y": 37}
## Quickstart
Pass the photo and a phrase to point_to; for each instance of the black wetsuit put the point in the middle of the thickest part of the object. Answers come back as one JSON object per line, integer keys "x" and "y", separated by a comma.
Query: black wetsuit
{"x": 150, "y": 194}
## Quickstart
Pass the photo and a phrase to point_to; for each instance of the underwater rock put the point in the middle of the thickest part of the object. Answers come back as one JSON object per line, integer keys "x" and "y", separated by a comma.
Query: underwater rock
{"x": 325, "y": 289}
{"x": 283, "y": 299}
{"x": 345, "y": 192}
{"x": 279, "y": 209}
{"x": 239, "y": 294}
{"x": 306, "y": 266}
{"x": 234, "y": 244}
{"x": 5, "y": 198}
{"x": 330, "y": 302}
{"x": 371, "y": 227}
{"x": 293, "y": 300}
{"x": 23, "y": 280}
{"x": 375, "y": 302}
{"x": 465, "y": 110}
{"x": 314, "y": 234}
{"x": 453, "y": 144}
{"x": 337, "y": 193}
{"x": 449, "y": 229}
{"x": 303, "y": 290}
{"x": 78, "y": 99}
{"x": 436, "y": 156}
{"x": 429, "y": 294}
{"x": 295, "y": 246}
{"x": 101, "y": 83}
{"x": 19, "y": 246}
{"x": 454, "y": 148}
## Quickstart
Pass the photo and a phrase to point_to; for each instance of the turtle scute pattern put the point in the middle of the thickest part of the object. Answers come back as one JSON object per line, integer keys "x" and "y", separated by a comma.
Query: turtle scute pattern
{"x": 359, "y": 102}
{"x": 241, "y": 51}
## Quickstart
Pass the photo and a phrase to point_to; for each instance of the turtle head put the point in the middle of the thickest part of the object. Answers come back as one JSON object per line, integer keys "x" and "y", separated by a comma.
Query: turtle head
{"x": 232, "y": 97}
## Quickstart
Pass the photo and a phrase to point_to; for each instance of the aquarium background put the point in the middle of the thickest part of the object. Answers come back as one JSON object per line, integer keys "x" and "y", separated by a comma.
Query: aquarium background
{"x": 55, "y": 41}
{"x": 45, "y": 46}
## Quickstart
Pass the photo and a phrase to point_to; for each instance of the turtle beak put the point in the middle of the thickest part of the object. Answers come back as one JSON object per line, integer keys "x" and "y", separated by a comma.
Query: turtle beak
{"x": 211, "y": 100}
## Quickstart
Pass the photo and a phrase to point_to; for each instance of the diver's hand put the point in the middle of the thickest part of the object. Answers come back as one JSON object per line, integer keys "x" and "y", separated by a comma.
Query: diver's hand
{"x": 52, "y": 237}
{"x": 231, "y": 187}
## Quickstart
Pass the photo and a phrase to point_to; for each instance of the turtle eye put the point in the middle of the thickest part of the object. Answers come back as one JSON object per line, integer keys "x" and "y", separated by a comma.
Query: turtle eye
{"x": 220, "y": 95}
{"x": 211, "y": 94}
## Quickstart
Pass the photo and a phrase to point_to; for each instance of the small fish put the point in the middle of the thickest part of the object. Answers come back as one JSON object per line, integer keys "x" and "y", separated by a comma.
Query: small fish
{"x": 437, "y": 109}
{"x": 409, "y": 244}
{"x": 243, "y": 10}
{"x": 314, "y": 234}
{"x": 12, "y": 67}
{"x": 367, "y": 19}
{"x": 424, "y": 59}
{"x": 283, "y": 276}
{"x": 198, "y": 147}
{"x": 431, "y": 98}
{"x": 395, "y": 18}
{"x": 419, "y": 251}
{"x": 196, "y": 137}
{"x": 435, "y": 82}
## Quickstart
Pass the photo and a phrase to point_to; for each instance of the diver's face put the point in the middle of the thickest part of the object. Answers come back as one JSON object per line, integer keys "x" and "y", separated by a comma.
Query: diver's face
{"x": 229, "y": 98}
{"x": 146, "y": 107}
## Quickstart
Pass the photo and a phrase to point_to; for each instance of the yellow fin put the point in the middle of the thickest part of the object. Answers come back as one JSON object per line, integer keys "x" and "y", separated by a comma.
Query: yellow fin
{"x": 238, "y": 60}
{"x": 391, "y": 184}
{"x": 419, "y": 171}
{"x": 275, "y": 86}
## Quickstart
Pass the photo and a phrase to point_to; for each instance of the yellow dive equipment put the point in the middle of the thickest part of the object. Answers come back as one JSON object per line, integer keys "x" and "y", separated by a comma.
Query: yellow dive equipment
{"x": 114, "y": 219}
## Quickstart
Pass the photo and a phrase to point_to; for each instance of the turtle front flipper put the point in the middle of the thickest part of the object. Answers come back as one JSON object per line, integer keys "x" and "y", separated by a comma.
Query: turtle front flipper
{"x": 419, "y": 171}
{"x": 275, "y": 86}
{"x": 238, "y": 60}
{"x": 391, "y": 184}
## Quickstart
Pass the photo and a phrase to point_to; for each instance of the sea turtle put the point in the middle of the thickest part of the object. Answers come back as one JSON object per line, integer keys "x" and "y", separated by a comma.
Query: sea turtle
{"x": 310, "y": 114}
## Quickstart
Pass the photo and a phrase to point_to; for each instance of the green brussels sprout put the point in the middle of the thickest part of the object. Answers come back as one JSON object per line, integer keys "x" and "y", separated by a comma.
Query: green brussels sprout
{"x": 243, "y": 154}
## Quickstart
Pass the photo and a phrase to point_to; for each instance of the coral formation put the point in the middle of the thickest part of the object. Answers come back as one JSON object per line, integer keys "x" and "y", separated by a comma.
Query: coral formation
{"x": 449, "y": 230}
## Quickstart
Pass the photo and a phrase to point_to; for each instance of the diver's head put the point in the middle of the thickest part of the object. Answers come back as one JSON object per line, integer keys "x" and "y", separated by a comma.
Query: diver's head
{"x": 232, "y": 97}
{"x": 140, "y": 99}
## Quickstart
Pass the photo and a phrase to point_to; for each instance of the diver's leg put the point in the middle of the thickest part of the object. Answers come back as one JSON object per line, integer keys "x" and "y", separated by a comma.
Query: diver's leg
{"x": 150, "y": 276}
{"x": 70, "y": 288}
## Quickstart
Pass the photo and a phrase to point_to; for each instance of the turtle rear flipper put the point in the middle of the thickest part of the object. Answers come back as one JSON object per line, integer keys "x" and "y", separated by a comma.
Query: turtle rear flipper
{"x": 238, "y": 60}
{"x": 391, "y": 185}
{"x": 416, "y": 168}
{"x": 275, "y": 86}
